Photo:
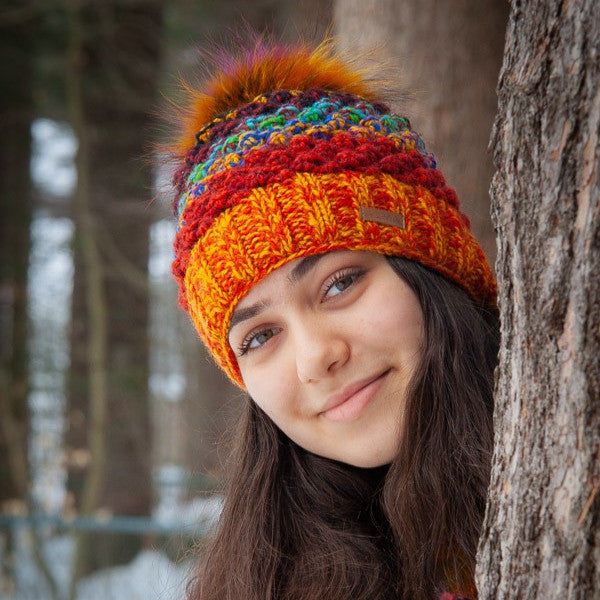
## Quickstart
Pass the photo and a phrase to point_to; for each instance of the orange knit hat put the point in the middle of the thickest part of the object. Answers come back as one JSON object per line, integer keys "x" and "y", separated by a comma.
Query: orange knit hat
{"x": 287, "y": 153}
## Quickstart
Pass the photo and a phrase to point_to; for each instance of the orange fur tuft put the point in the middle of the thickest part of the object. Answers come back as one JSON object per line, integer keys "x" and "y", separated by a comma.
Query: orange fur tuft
{"x": 264, "y": 69}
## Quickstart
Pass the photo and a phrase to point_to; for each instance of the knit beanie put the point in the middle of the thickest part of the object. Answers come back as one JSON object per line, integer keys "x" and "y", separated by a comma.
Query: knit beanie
{"x": 287, "y": 152}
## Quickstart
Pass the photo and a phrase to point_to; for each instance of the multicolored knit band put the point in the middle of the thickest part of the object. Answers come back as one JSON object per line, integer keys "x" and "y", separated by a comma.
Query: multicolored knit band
{"x": 287, "y": 173}
{"x": 313, "y": 113}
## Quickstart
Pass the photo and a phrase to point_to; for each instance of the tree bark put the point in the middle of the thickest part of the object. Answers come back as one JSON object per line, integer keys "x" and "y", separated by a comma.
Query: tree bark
{"x": 446, "y": 56}
{"x": 541, "y": 537}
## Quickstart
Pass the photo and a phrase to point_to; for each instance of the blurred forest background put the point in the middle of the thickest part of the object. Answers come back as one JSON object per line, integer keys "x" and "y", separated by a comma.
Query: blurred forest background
{"x": 113, "y": 421}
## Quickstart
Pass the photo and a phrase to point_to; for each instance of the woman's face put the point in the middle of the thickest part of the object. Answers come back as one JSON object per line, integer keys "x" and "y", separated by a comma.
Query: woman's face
{"x": 327, "y": 346}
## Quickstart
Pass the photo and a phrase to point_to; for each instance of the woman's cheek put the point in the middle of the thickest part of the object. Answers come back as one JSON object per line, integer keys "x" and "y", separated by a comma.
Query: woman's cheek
{"x": 265, "y": 386}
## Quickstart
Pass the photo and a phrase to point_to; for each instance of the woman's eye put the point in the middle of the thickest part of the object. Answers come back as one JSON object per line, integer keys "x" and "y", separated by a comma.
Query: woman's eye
{"x": 256, "y": 340}
{"x": 341, "y": 283}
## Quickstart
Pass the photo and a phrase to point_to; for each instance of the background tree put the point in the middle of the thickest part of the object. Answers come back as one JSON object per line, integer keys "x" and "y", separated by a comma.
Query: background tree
{"x": 16, "y": 206}
{"x": 112, "y": 78}
{"x": 542, "y": 537}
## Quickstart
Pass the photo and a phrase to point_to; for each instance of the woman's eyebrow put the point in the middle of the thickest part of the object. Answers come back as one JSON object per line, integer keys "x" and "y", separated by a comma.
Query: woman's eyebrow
{"x": 305, "y": 265}
{"x": 243, "y": 314}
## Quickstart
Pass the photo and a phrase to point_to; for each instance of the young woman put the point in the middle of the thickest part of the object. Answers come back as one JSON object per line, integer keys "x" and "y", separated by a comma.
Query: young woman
{"x": 327, "y": 267}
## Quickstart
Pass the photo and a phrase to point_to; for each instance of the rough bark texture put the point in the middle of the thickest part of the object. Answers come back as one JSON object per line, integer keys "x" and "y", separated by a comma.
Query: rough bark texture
{"x": 541, "y": 537}
{"x": 447, "y": 56}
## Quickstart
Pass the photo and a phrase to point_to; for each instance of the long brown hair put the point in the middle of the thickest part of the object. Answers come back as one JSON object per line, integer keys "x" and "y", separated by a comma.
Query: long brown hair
{"x": 297, "y": 526}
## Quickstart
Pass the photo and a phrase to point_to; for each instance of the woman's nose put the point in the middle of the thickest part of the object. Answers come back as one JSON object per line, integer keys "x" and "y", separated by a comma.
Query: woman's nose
{"x": 320, "y": 351}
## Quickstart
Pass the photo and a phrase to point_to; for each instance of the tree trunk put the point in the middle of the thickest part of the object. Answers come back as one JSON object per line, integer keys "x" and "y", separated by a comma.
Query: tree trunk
{"x": 447, "y": 56}
{"x": 541, "y": 537}
{"x": 116, "y": 61}
{"x": 16, "y": 110}
{"x": 93, "y": 296}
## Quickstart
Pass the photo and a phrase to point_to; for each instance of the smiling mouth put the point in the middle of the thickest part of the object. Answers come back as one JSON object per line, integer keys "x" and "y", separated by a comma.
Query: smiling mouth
{"x": 350, "y": 403}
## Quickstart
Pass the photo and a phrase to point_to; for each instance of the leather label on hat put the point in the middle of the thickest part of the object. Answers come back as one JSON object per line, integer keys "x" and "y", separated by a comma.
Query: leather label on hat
{"x": 379, "y": 215}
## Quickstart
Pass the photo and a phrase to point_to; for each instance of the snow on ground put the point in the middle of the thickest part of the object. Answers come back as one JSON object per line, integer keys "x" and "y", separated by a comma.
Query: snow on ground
{"x": 150, "y": 576}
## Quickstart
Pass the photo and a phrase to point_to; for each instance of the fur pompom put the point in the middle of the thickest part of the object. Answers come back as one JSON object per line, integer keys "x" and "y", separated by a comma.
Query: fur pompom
{"x": 265, "y": 68}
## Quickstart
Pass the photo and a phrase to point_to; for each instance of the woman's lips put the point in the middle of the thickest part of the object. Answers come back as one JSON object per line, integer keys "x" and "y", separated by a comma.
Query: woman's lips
{"x": 348, "y": 404}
